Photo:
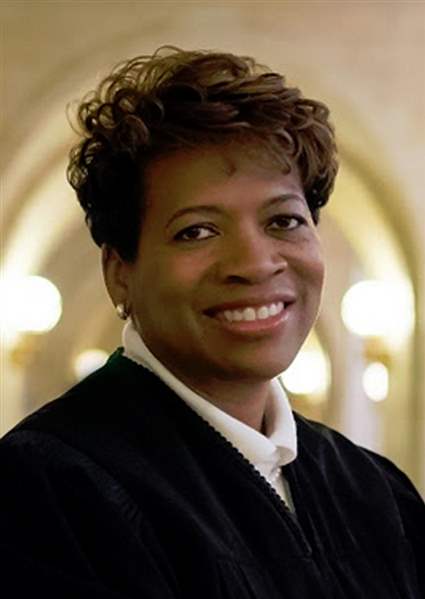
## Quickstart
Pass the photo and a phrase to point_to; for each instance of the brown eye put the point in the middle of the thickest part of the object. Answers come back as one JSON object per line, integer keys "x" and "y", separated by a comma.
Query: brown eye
{"x": 195, "y": 233}
{"x": 286, "y": 223}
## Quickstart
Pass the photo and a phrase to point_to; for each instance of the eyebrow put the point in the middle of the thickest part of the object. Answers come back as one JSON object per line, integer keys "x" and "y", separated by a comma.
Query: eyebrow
{"x": 213, "y": 209}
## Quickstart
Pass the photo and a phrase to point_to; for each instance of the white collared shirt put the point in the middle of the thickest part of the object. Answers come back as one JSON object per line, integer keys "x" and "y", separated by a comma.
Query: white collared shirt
{"x": 266, "y": 452}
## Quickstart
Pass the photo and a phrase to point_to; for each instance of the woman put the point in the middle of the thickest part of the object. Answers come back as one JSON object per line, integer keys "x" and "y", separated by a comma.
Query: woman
{"x": 178, "y": 469}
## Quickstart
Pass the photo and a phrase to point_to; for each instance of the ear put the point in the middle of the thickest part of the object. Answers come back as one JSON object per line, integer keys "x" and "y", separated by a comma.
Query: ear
{"x": 116, "y": 276}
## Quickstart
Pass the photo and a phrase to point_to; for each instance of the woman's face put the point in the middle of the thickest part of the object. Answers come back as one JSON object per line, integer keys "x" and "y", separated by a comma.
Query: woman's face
{"x": 229, "y": 273}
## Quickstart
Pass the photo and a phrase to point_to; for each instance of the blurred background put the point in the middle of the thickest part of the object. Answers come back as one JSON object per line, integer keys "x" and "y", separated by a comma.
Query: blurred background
{"x": 363, "y": 369}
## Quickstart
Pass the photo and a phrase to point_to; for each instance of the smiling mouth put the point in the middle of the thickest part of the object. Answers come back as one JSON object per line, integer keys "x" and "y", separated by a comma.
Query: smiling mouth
{"x": 255, "y": 319}
{"x": 251, "y": 313}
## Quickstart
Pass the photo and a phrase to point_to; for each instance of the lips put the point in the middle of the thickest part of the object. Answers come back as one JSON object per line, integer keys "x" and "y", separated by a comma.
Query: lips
{"x": 251, "y": 313}
{"x": 254, "y": 314}
{"x": 253, "y": 321}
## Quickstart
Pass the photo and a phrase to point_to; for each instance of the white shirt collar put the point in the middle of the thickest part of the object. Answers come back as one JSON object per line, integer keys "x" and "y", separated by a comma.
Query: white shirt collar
{"x": 267, "y": 453}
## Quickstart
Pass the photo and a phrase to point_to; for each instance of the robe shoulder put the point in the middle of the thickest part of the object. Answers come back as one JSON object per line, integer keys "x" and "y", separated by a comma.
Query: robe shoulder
{"x": 329, "y": 444}
{"x": 362, "y": 477}
{"x": 68, "y": 526}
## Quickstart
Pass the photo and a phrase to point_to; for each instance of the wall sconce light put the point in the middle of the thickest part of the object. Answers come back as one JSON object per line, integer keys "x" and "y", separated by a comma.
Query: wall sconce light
{"x": 308, "y": 375}
{"x": 375, "y": 381}
{"x": 379, "y": 309}
{"x": 88, "y": 361}
{"x": 382, "y": 314}
{"x": 29, "y": 306}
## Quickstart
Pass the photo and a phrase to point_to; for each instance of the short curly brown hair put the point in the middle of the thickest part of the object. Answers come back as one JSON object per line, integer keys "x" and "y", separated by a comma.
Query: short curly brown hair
{"x": 153, "y": 105}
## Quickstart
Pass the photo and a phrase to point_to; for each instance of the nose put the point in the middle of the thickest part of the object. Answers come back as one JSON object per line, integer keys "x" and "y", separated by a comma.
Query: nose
{"x": 251, "y": 258}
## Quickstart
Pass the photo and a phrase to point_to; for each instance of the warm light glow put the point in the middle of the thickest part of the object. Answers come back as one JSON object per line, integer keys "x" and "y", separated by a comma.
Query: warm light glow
{"x": 376, "y": 381}
{"x": 308, "y": 373}
{"x": 378, "y": 309}
{"x": 88, "y": 361}
{"x": 29, "y": 304}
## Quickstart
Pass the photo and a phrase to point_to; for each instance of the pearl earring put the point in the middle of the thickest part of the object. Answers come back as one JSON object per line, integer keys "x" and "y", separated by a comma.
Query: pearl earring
{"x": 121, "y": 311}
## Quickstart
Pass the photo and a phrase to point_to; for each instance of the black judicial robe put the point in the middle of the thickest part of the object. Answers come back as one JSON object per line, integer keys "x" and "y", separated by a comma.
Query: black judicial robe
{"x": 119, "y": 490}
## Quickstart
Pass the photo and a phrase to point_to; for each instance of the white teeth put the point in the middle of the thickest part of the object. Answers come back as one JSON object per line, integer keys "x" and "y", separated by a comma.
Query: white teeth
{"x": 251, "y": 314}
{"x": 274, "y": 310}
{"x": 263, "y": 313}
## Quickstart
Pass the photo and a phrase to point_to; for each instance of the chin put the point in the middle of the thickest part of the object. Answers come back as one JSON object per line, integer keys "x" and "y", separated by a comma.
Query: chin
{"x": 256, "y": 369}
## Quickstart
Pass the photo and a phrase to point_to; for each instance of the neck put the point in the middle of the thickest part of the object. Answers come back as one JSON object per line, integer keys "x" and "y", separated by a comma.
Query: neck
{"x": 244, "y": 400}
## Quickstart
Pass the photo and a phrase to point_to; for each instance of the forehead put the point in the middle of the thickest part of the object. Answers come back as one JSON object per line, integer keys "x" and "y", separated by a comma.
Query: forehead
{"x": 203, "y": 173}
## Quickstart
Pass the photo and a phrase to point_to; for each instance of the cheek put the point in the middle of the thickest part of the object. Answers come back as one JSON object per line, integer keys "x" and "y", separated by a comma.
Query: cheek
{"x": 169, "y": 277}
{"x": 184, "y": 271}
{"x": 316, "y": 263}
{"x": 190, "y": 266}
{"x": 312, "y": 271}
{"x": 319, "y": 270}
